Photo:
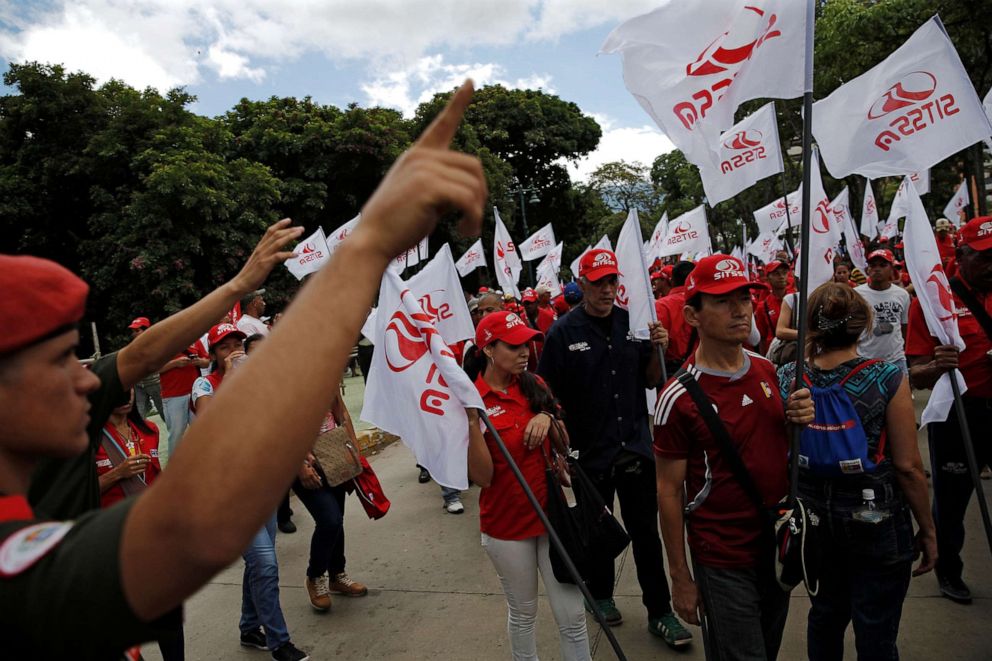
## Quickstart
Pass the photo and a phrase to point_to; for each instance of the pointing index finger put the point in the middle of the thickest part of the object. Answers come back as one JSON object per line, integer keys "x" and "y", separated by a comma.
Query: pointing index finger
{"x": 440, "y": 132}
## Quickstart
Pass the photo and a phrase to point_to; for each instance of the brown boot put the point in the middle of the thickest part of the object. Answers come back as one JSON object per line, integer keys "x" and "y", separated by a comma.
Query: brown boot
{"x": 320, "y": 599}
{"x": 344, "y": 585}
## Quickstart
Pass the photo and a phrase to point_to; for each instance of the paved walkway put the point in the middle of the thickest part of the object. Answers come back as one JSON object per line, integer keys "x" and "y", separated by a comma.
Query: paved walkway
{"x": 434, "y": 593}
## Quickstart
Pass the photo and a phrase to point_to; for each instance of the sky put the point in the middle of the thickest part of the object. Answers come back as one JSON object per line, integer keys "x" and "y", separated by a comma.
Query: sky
{"x": 394, "y": 53}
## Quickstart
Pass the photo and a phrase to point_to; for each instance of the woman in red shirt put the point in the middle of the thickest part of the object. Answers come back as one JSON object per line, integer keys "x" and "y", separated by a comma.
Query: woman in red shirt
{"x": 127, "y": 459}
{"x": 521, "y": 408}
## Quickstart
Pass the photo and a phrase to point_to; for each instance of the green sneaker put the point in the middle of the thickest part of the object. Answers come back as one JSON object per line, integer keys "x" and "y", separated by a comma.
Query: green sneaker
{"x": 608, "y": 608}
{"x": 668, "y": 628}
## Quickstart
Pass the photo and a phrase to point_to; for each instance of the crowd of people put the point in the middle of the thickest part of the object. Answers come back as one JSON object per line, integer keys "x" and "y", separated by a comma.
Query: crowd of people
{"x": 93, "y": 528}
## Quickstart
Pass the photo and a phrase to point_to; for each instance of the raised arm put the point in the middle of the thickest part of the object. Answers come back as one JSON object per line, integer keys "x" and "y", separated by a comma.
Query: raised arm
{"x": 181, "y": 532}
{"x": 153, "y": 350}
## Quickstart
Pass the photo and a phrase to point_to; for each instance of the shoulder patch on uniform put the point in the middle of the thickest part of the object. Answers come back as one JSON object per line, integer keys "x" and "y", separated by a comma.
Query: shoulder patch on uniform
{"x": 29, "y": 545}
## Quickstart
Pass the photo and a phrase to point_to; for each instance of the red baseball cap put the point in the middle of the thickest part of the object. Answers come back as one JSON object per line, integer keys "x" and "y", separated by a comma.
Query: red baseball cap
{"x": 140, "y": 322}
{"x": 658, "y": 275}
{"x": 977, "y": 233}
{"x": 597, "y": 264}
{"x": 882, "y": 254}
{"x": 506, "y": 326}
{"x": 40, "y": 300}
{"x": 220, "y": 331}
{"x": 774, "y": 265}
{"x": 718, "y": 274}
{"x": 483, "y": 290}
{"x": 528, "y": 296}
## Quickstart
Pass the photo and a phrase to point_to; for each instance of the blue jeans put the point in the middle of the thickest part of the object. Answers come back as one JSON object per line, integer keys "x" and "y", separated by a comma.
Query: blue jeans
{"x": 864, "y": 568}
{"x": 177, "y": 416}
{"x": 326, "y": 506}
{"x": 450, "y": 495}
{"x": 260, "y": 588}
{"x": 745, "y": 610}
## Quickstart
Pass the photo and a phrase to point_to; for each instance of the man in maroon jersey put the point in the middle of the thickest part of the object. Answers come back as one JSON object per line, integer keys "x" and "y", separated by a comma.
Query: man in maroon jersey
{"x": 734, "y": 581}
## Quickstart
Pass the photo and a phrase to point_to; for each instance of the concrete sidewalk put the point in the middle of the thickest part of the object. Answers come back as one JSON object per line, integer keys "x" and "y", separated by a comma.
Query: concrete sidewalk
{"x": 434, "y": 594}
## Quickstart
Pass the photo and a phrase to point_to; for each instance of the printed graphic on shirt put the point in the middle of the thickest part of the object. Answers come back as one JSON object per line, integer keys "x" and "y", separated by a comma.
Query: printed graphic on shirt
{"x": 579, "y": 346}
{"x": 494, "y": 411}
{"x": 202, "y": 388}
{"x": 887, "y": 317}
{"x": 746, "y": 401}
{"x": 28, "y": 545}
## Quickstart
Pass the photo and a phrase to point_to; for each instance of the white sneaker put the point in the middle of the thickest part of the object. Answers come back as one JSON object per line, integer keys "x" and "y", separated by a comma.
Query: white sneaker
{"x": 454, "y": 507}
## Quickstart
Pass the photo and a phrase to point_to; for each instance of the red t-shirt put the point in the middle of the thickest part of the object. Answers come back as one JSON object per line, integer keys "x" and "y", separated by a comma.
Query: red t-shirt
{"x": 945, "y": 246}
{"x": 144, "y": 443}
{"x": 545, "y": 319}
{"x": 178, "y": 381}
{"x": 724, "y": 528}
{"x": 973, "y": 361}
{"x": 504, "y": 511}
{"x": 669, "y": 309}
{"x": 766, "y": 317}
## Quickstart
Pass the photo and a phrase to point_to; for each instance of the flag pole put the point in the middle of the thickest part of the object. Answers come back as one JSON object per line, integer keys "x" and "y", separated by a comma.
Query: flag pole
{"x": 969, "y": 451}
{"x": 553, "y": 537}
{"x": 803, "y": 246}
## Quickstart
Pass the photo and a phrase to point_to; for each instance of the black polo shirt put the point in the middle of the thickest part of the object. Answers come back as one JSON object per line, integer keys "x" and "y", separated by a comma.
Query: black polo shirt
{"x": 600, "y": 379}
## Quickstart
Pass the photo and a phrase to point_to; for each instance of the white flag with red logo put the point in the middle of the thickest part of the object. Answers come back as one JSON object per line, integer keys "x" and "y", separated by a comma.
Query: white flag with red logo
{"x": 657, "y": 239}
{"x": 547, "y": 276}
{"x": 841, "y": 209}
{"x": 900, "y": 207}
{"x": 773, "y": 217}
{"x": 411, "y": 257}
{"x": 416, "y": 389}
{"x": 439, "y": 293}
{"x": 688, "y": 233}
{"x": 958, "y": 202}
{"x": 473, "y": 258}
{"x": 869, "y": 213}
{"x": 765, "y": 246}
{"x": 552, "y": 260}
{"x": 506, "y": 260}
{"x": 690, "y": 64}
{"x": 908, "y": 113}
{"x": 538, "y": 244}
{"x": 747, "y": 153}
{"x": 634, "y": 286}
{"x": 921, "y": 181}
{"x": 311, "y": 255}
{"x": 936, "y": 300}
{"x": 574, "y": 266}
{"x": 824, "y": 232}
{"x": 335, "y": 238}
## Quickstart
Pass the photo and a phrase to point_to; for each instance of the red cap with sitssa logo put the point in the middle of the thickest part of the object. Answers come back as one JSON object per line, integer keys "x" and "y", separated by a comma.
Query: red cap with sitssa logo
{"x": 220, "y": 331}
{"x": 505, "y": 326}
{"x": 718, "y": 274}
{"x": 977, "y": 233}
{"x": 598, "y": 263}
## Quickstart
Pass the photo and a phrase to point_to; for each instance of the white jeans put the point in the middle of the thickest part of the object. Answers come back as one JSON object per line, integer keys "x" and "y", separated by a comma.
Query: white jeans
{"x": 517, "y": 563}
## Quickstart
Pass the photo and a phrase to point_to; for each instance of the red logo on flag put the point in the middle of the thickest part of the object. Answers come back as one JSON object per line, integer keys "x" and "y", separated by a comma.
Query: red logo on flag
{"x": 405, "y": 344}
{"x": 908, "y": 95}
{"x": 433, "y": 311}
{"x": 724, "y": 57}
{"x": 821, "y": 222}
{"x": 943, "y": 290}
{"x": 744, "y": 140}
{"x": 308, "y": 248}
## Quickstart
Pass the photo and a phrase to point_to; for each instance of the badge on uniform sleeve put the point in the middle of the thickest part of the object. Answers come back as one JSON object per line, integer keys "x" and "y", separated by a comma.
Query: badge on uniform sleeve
{"x": 28, "y": 545}
{"x": 767, "y": 389}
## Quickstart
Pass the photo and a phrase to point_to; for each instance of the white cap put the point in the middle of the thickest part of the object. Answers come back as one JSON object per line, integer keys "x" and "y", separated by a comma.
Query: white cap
{"x": 868, "y": 494}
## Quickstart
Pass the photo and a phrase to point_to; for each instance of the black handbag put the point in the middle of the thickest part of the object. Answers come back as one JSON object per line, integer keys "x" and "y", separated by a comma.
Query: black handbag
{"x": 588, "y": 530}
{"x": 788, "y": 531}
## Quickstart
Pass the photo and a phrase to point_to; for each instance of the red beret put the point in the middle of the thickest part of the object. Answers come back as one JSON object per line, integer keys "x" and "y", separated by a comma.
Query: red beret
{"x": 40, "y": 300}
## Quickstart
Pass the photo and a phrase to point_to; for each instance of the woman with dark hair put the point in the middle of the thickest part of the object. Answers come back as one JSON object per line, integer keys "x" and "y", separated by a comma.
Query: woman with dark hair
{"x": 127, "y": 459}
{"x": 127, "y": 464}
{"x": 522, "y": 409}
{"x": 865, "y": 535}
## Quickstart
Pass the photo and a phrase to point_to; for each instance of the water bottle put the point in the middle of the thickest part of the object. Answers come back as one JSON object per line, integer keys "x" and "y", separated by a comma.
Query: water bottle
{"x": 869, "y": 513}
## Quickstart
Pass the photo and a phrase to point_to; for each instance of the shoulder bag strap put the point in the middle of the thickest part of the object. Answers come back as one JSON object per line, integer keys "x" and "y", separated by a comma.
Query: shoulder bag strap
{"x": 971, "y": 301}
{"x": 722, "y": 437}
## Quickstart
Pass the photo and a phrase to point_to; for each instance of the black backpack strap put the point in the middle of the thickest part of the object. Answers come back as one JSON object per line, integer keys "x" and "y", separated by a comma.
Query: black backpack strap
{"x": 971, "y": 301}
{"x": 722, "y": 437}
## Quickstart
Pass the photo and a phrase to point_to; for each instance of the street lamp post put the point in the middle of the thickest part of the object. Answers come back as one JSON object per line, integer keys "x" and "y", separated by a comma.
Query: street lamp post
{"x": 534, "y": 199}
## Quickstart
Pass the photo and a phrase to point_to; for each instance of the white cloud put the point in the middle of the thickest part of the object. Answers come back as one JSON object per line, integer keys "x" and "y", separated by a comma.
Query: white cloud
{"x": 164, "y": 43}
{"x": 641, "y": 144}
{"x": 408, "y": 87}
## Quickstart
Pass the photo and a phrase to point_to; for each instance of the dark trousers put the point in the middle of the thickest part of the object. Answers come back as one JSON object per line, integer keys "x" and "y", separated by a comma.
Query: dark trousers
{"x": 745, "y": 611}
{"x": 365, "y": 360}
{"x": 326, "y": 506}
{"x": 952, "y": 485}
{"x": 634, "y": 485}
{"x": 284, "y": 513}
{"x": 864, "y": 569}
